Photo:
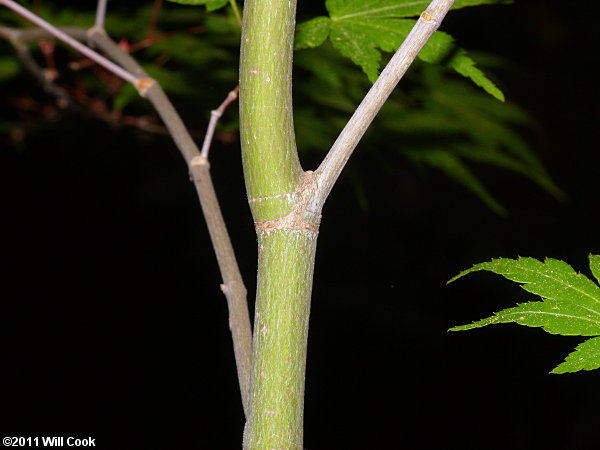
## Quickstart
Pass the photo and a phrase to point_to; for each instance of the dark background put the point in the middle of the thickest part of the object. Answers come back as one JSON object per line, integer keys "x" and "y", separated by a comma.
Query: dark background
{"x": 113, "y": 324}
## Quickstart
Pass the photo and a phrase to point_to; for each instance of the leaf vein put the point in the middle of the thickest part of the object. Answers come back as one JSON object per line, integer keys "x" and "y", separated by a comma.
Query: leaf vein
{"x": 559, "y": 281}
{"x": 374, "y": 11}
{"x": 520, "y": 313}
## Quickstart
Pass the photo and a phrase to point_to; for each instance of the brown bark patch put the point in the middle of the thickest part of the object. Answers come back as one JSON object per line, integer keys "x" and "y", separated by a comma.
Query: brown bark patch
{"x": 295, "y": 219}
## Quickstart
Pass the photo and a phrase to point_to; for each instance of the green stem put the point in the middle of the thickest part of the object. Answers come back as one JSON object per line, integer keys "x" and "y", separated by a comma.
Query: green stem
{"x": 278, "y": 192}
{"x": 286, "y": 261}
{"x": 271, "y": 167}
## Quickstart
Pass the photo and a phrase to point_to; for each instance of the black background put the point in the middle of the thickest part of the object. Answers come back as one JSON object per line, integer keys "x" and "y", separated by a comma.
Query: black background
{"x": 113, "y": 324}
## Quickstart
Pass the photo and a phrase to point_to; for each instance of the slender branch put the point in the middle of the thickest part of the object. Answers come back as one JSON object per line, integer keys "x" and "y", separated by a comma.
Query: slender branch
{"x": 215, "y": 115}
{"x": 153, "y": 92}
{"x": 62, "y": 96}
{"x": 233, "y": 286}
{"x": 100, "y": 13}
{"x": 57, "y": 33}
{"x": 236, "y": 11}
{"x": 19, "y": 37}
{"x": 153, "y": 19}
{"x": 148, "y": 124}
{"x": 33, "y": 34}
{"x": 331, "y": 167}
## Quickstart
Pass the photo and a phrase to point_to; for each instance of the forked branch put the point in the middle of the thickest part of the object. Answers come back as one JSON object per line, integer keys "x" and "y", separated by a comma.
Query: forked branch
{"x": 131, "y": 71}
{"x": 61, "y": 35}
{"x": 17, "y": 38}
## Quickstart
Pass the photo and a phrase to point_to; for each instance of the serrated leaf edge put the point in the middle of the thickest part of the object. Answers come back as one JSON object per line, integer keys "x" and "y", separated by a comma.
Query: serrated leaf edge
{"x": 557, "y": 370}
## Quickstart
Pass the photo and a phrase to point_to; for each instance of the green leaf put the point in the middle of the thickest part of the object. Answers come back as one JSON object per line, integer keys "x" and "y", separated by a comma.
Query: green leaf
{"x": 570, "y": 303}
{"x": 342, "y": 9}
{"x": 360, "y": 29}
{"x": 553, "y": 316}
{"x": 439, "y": 114}
{"x": 453, "y": 167}
{"x": 585, "y": 357}
{"x": 441, "y": 50}
{"x": 551, "y": 279}
{"x": 211, "y": 5}
{"x": 493, "y": 142}
{"x": 312, "y": 33}
{"x": 595, "y": 266}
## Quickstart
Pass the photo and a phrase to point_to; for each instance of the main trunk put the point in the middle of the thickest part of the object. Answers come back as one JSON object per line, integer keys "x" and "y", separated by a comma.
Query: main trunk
{"x": 278, "y": 193}
{"x": 286, "y": 260}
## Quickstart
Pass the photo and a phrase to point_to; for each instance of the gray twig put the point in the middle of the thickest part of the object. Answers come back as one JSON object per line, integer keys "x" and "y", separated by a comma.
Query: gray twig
{"x": 100, "y": 13}
{"x": 61, "y": 35}
{"x": 233, "y": 286}
{"x": 215, "y": 115}
{"x": 331, "y": 167}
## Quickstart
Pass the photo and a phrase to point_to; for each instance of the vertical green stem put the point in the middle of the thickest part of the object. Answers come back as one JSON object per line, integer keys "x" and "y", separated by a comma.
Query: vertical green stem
{"x": 278, "y": 192}
{"x": 270, "y": 159}
{"x": 286, "y": 261}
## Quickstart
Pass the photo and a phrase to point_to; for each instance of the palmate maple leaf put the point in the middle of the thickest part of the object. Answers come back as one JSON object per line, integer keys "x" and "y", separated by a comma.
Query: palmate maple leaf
{"x": 360, "y": 29}
{"x": 570, "y": 304}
